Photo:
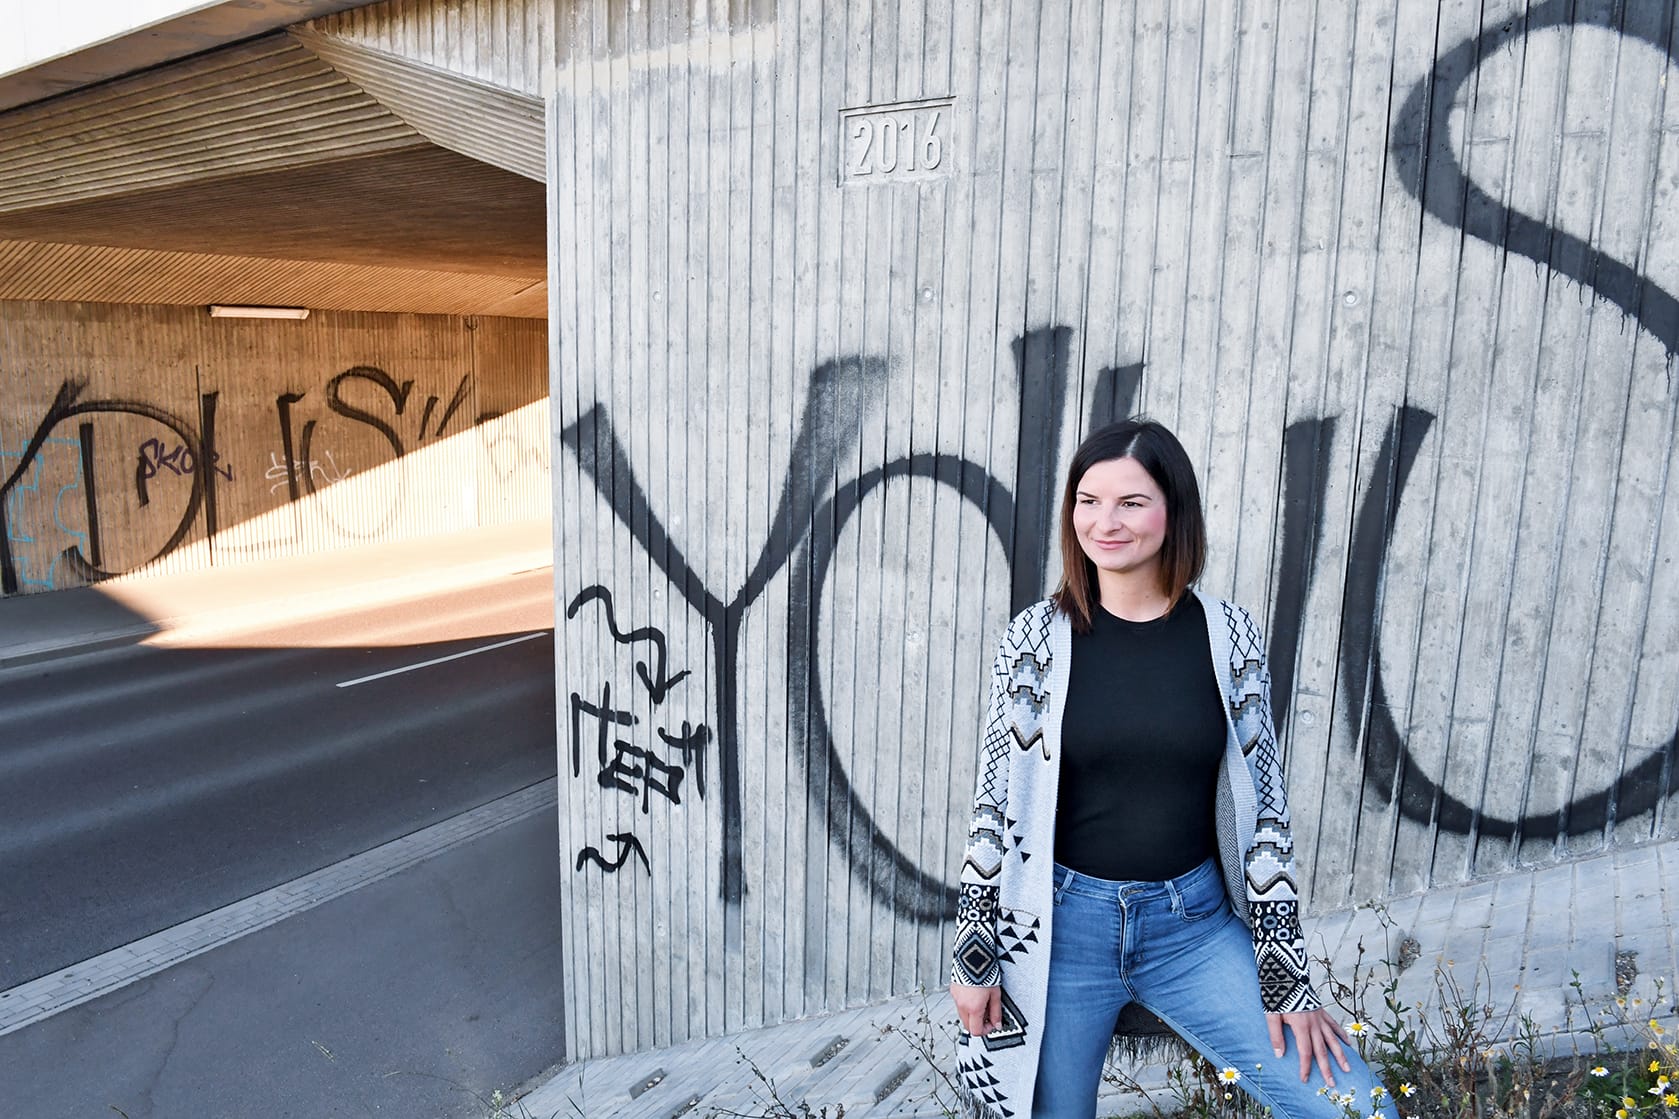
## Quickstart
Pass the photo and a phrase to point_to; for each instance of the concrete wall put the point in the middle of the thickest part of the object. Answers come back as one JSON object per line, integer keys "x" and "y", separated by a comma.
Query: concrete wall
{"x": 156, "y": 437}
{"x": 838, "y": 286}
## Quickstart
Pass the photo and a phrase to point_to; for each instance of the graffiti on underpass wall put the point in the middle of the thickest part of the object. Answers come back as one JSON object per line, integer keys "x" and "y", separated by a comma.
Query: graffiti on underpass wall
{"x": 627, "y": 845}
{"x": 281, "y": 474}
{"x": 85, "y": 558}
{"x": 100, "y": 486}
{"x": 804, "y": 530}
{"x": 177, "y": 460}
{"x": 372, "y": 400}
{"x": 1425, "y": 153}
{"x": 34, "y": 555}
{"x": 1426, "y": 156}
{"x": 623, "y": 760}
{"x": 802, "y": 538}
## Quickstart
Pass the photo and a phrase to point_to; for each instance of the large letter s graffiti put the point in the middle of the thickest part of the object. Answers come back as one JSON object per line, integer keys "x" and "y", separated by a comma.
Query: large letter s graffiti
{"x": 1428, "y": 166}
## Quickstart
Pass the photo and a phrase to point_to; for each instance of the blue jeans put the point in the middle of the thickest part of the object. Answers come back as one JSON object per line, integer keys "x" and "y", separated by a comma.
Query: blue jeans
{"x": 1177, "y": 948}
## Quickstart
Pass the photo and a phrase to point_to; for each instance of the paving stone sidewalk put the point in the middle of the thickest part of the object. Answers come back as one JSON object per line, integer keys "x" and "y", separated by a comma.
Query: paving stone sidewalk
{"x": 1516, "y": 940}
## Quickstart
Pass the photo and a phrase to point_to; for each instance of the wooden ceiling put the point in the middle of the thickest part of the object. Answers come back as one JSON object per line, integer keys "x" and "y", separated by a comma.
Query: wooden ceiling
{"x": 422, "y": 208}
{"x": 403, "y": 226}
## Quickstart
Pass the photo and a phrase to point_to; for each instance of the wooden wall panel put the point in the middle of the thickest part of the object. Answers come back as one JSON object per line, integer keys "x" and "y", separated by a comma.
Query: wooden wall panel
{"x": 157, "y": 438}
{"x": 1402, "y": 277}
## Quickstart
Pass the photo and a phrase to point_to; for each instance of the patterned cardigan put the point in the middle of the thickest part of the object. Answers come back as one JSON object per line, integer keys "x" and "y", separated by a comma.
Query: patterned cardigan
{"x": 1003, "y": 912}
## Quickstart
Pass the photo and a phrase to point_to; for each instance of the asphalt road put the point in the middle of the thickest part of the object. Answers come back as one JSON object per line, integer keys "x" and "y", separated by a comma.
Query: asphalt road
{"x": 143, "y": 787}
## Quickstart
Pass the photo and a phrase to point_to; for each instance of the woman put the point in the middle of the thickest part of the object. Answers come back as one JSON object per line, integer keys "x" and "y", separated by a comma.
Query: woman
{"x": 1129, "y": 740}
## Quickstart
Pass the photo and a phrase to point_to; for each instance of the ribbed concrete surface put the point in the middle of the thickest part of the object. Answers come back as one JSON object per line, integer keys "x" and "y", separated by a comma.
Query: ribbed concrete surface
{"x": 1517, "y": 939}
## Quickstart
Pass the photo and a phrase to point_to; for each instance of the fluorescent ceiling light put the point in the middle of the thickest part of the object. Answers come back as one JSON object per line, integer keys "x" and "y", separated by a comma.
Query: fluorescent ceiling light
{"x": 224, "y": 311}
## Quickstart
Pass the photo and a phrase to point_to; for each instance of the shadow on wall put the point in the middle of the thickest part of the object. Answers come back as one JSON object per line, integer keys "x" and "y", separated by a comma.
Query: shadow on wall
{"x": 106, "y": 487}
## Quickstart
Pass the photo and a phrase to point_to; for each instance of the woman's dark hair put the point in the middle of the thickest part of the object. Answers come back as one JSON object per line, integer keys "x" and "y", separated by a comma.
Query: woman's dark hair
{"x": 1184, "y": 551}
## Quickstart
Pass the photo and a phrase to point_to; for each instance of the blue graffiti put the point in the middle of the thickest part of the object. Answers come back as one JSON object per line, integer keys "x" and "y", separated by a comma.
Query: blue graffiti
{"x": 24, "y": 537}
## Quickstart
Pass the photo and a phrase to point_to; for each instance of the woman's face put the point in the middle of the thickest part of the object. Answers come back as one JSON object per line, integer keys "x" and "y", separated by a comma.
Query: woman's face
{"x": 1119, "y": 516}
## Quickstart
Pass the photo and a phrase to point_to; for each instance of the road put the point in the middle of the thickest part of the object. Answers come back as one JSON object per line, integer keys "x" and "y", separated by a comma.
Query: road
{"x": 144, "y": 787}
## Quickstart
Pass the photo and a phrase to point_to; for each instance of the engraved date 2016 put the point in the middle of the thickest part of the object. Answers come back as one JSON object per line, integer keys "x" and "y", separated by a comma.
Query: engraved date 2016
{"x": 892, "y": 143}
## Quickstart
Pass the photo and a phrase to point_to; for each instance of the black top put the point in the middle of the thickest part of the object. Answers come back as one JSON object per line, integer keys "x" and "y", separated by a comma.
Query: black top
{"x": 1142, "y": 735}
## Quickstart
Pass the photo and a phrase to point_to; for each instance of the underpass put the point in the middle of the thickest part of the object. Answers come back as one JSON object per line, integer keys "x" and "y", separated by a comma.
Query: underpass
{"x": 317, "y": 850}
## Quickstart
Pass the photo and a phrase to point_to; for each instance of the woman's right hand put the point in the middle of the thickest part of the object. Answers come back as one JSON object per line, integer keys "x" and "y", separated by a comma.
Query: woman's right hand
{"x": 979, "y": 1008}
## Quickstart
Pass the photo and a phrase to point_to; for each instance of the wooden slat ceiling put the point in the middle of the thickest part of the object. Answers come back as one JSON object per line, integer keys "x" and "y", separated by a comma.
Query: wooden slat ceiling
{"x": 423, "y": 209}
{"x": 267, "y": 105}
{"x": 259, "y": 174}
{"x": 34, "y": 270}
{"x": 460, "y": 113}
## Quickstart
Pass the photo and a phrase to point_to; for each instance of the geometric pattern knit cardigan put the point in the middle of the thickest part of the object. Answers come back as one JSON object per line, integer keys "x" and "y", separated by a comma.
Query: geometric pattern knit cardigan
{"x": 1003, "y": 909}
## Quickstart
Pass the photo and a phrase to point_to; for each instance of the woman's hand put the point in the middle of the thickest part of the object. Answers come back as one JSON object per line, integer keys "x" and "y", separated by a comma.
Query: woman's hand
{"x": 979, "y": 1008}
{"x": 1318, "y": 1037}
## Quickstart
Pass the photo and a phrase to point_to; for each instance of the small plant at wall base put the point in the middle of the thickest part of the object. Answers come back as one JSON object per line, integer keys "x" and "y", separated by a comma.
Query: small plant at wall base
{"x": 1465, "y": 1058}
{"x": 1195, "y": 1089}
{"x": 924, "y": 1038}
{"x": 771, "y": 1105}
{"x": 1464, "y": 1054}
{"x": 1643, "y": 1079}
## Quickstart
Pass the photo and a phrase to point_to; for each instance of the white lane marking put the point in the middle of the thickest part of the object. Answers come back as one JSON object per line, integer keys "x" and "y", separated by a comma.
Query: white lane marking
{"x": 442, "y": 660}
{"x": 30, "y": 1002}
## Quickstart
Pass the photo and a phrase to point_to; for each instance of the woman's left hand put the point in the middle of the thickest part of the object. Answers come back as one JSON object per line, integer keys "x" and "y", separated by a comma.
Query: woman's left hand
{"x": 1318, "y": 1037}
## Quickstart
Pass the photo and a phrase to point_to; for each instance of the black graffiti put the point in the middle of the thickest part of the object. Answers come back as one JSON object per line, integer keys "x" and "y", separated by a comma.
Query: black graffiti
{"x": 690, "y": 743}
{"x": 606, "y": 717}
{"x": 188, "y": 446}
{"x": 297, "y": 443}
{"x": 301, "y": 453}
{"x": 1429, "y": 168}
{"x": 1306, "y": 450}
{"x": 627, "y": 845}
{"x": 656, "y": 679}
{"x": 1389, "y": 770}
{"x": 627, "y": 767}
{"x": 90, "y": 494}
{"x": 1041, "y": 365}
{"x": 1116, "y": 394}
{"x": 634, "y": 770}
{"x": 811, "y": 513}
{"x": 67, "y": 405}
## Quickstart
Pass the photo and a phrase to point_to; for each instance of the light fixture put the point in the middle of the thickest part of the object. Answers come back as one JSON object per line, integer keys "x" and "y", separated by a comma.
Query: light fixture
{"x": 226, "y": 311}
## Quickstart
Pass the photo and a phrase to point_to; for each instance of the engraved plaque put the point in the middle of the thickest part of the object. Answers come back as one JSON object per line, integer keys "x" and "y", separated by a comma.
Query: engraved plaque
{"x": 904, "y": 142}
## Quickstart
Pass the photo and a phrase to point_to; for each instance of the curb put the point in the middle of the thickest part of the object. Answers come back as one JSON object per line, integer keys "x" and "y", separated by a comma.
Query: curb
{"x": 72, "y": 647}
